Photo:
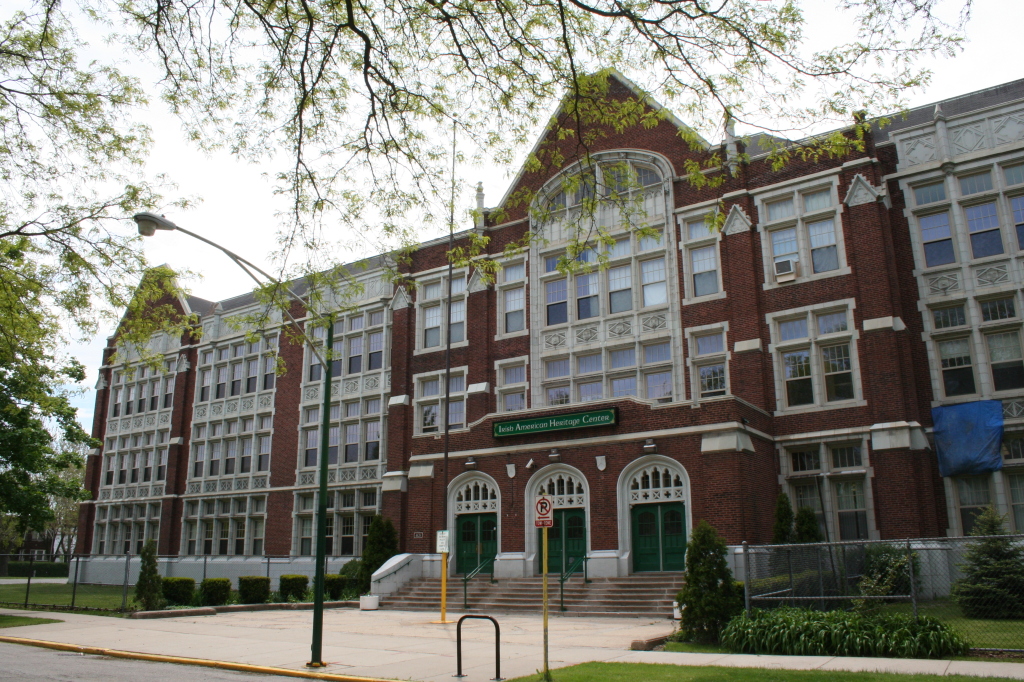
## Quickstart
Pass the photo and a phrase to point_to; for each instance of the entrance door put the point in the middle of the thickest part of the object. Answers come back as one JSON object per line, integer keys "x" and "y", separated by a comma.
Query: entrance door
{"x": 567, "y": 539}
{"x": 476, "y": 540}
{"x": 659, "y": 537}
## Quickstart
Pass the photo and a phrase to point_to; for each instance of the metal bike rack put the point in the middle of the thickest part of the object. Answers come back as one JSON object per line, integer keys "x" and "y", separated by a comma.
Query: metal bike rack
{"x": 497, "y": 647}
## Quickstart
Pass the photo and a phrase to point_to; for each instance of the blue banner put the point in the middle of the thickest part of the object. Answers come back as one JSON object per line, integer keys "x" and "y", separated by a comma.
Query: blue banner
{"x": 968, "y": 437}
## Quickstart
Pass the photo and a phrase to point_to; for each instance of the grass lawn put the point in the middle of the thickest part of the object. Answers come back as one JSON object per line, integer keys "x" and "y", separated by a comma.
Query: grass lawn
{"x": 15, "y": 621}
{"x": 59, "y": 594}
{"x": 631, "y": 672}
{"x": 691, "y": 648}
{"x": 982, "y": 634}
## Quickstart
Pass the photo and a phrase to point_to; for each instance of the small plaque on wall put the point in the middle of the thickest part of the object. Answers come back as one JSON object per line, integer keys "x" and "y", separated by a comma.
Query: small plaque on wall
{"x": 418, "y": 535}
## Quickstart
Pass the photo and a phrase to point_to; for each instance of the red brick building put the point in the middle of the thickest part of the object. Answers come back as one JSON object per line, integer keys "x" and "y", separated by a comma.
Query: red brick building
{"x": 680, "y": 373}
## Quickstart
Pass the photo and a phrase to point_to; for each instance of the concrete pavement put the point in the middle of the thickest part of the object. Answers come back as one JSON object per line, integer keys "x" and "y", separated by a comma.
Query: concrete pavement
{"x": 407, "y": 646}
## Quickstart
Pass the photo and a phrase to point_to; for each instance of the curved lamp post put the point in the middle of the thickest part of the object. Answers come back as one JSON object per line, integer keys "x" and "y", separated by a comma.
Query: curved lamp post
{"x": 148, "y": 224}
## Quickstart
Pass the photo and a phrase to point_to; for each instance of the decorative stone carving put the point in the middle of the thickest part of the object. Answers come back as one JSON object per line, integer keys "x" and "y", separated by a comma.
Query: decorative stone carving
{"x": 226, "y": 484}
{"x": 242, "y": 484}
{"x": 348, "y": 475}
{"x": 565, "y": 489}
{"x": 194, "y": 487}
{"x": 126, "y": 424}
{"x": 150, "y": 420}
{"x": 143, "y": 492}
{"x": 992, "y": 275}
{"x": 653, "y": 323}
{"x": 861, "y": 192}
{"x": 371, "y": 383}
{"x": 476, "y": 282}
{"x": 736, "y": 222}
{"x": 311, "y": 393}
{"x": 944, "y": 283}
{"x": 1013, "y": 408}
{"x": 112, "y": 427}
{"x": 586, "y": 334}
{"x": 656, "y": 484}
{"x": 387, "y": 381}
{"x": 260, "y": 482}
{"x": 968, "y": 138}
{"x": 266, "y": 401}
{"x": 216, "y": 409}
{"x": 332, "y": 477}
{"x": 307, "y": 478}
{"x": 556, "y": 340}
{"x": 201, "y": 411}
{"x": 137, "y": 423}
{"x": 118, "y": 494}
{"x": 232, "y": 406}
{"x": 129, "y": 492}
{"x": 401, "y": 299}
{"x": 210, "y": 487}
{"x": 247, "y": 404}
{"x": 368, "y": 473}
{"x": 351, "y": 387}
{"x": 620, "y": 328}
{"x": 104, "y": 494}
{"x": 1008, "y": 128}
{"x": 156, "y": 490}
{"x": 476, "y": 496}
{"x": 165, "y": 418}
{"x": 918, "y": 150}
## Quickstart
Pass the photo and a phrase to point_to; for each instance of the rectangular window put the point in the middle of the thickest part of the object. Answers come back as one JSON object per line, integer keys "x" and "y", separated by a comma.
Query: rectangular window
{"x": 846, "y": 456}
{"x": 698, "y": 229}
{"x": 793, "y": 329}
{"x": 620, "y": 289}
{"x": 973, "y": 184}
{"x": 333, "y": 434}
{"x": 705, "y": 274}
{"x": 457, "y": 384}
{"x": 257, "y": 536}
{"x": 937, "y": 239}
{"x": 116, "y": 406}
{"x": 623, "y": 387}
{"x": 515, "y": 272}
{"x": 269, "y": 372}
{"x": 832, "y": 323}
{"x": 458, "y": 326}
{"x": 652, "y": 276}
{"x": 817, "y": 201}
{"x": 430, "y": 387}
{"x": 236, "y": 378}
{"x": 838, "y": 372}
{"x": 432, "y": 326}
{"x": 355, "y": 323}
{"x": 558, "y": 395}
{"x": 777, "y": 210}
{"x": 997, "y": 309}
{"x": 797, "y": 374}
{"x": 784, "y": 245}
{"x": 949, "y": 317}
{"x": 657, "y": 352}
{"x": 372, "y": 406}
{"x": 515, "y": 374}
{"x": 556, "y": 368}
{"x": 375, "y": 359}
{"x": 432, "y": 291}
{"x": 154, "y": 394}
{"x": 514, "y": 401}
{"x": 650, "y": 242}
{"x": 215, "y": 453}
{"x": 458, "y": 285}
{"x": 198, "y": 460}
{"x": 456, "y": 414}
{"x": 586, "y": 297}
{"x": 355, "y": 355}
{"x": 1014, "y": 174}
{"x": 245, "y": 463}
{"x": 515, "y": 309}
{"x": 589, "y": 363}
{"x": 230, "y": 454}
{"x": 252, "y": 370}
{"x": 551, "y": 263}
{"x": 429, "y": 418}
{"x": 263, "y": 458}
{"x": 204, "y": 385}
{"x": 710, "y": 344}
{"x": 659, "y": 386}
{"x": 222, "y": 381}
{"x": 712, "y": 380}
{"x": 161, "y": 467}
{"x": 620, "y": 249}
{"x": 929, "y": 194}
{"x": 983, "y": 224}
{"x": 853, "y": 516}
{"x": 590, "y": 391}
{"x": 312, "y": 447}
{"x": 1017, "y": 206}
{"x": 624, "y": 357}
{"x": 1007, "y": 365}
{"x": 805, "y": 460}
{"x": 306, "y": 536}
{"x": 957, "y": 375}
{"x": 824, "y": 256}
{"x": 974, "y": 495}
{"x": 129, "y": 403}
{"x": 372, "y": 441}
{"x": 351, "y": 442}
{"x": 556, "y": 296}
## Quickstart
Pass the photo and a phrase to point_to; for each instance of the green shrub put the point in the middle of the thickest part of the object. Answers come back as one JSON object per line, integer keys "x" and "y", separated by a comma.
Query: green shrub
{"x": 886, "y": 564}
{"x": 148, "y": 588}
{"x": 782, "y": 531}
{"x": 179, "y": 591}
{"x": 993, "y": 582}
{"x": 292, "y": 587}
{"x": 802, "y": 632}
{"x": 381, "y": 545}
{"x": 215, "y": 591}
{"x": 253, "y": 589}
{"x": 335, "y": 586}
{"x": 40, "y": 569}
{"x": 806, "y": 528}
{"x": 709, "y": 597}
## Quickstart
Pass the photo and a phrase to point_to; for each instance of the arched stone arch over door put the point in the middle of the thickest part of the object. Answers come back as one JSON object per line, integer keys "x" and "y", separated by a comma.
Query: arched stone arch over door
{"x": 474, "y": 518}
{"x": 654, "y": 514}
{"x": 569, "y": 539}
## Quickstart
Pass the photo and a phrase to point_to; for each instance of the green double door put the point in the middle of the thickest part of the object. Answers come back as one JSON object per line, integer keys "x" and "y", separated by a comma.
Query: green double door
{"x": 476, "y": 540}
{"x": 659, "y": 537}
{"x": 567, "y": 540}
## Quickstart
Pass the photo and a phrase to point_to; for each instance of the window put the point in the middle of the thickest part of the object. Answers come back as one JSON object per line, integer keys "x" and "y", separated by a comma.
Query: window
{"x": 515, "y": 309}
{"x": 556, "y": 294}
{"x": 252, "y": 370}
{"x": 620, "y": 291}
{"x": 973, "y": 184}
{"x": 784, "y": 245}
{"x": 957, "y": 375}
{"x": 659, "y": 386}
{"x": 777, "y": 210}
{"x": 699, "y": 229}
{"x": 624, "y": 357}
{"x": 1016, "y": 485}
{"x": 515, "y": 272}
{"x": 709, "y": 365}
{"x": 997, "y": 309}
{"x": 458, "y": 320}
{"x": 805, "y": 460}
{"x": 558, "y": 395}
{"x": 705, "y": 270}
{"x": 1014, "y": 175}
{"x": 557, "y": 368}
{"x": 983, "y": 226}
{"x": 650, "y": 242}
{"x": 845, "y": 456}
{"x": 929, "y": 194}
{"x": 937, "y": 239}
{"x": 351, "y": 442}
{"x": 514, "y": 401}
{"x": 355, "y": 354}
{"x": 1017, "y": 206}
{"x": 824, "y": 256}
{"x": 591, "y": 390}
{"x": 816, "y": 358}
{"x": 797, "y": 366}
{"x": 375, "y": 359}
{"x": 263, "y": 457}
{"x": 588, "y": 363}
{"x": 372, "y": 448}
{"x": 515, "y": 374}
{"x": 312, "y": 447}
{"x": 652, "y": 276}
{"x": 198, "y": 460}
{"x": 1007, "y": 365}
{"x": 838, "y": 372}
{"x": 269, "y": 372}
{"x": 236, "y": 378}
{"x": 657, "y": 352}
{"x": 115, "y": 408}
{"x": 456, "y": 414}
{"x": 432, "y": 326}
{"x": 851, "y": 509}
{"x": 973, "y": 495}
{"x": 844, "y": 494}
{"x": 587, "y": 296}
{"x": 949, "y": 317}
{"x": 619, "y": 249}
{"x": 222, "y": 380}
{"x": 710, "y": 343}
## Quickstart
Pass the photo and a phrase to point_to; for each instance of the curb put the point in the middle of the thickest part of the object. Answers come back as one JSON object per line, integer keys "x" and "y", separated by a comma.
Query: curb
{"x": 234, "y": 608}
{"x": 203, "y": 662}
{"x": 648, "y": 644}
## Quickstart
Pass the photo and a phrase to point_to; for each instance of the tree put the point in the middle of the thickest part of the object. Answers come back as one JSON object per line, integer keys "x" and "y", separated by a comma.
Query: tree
{"x": 709, "y": 598}
{"x": 807, "y": 527}
{"x": 782, "y": 531}
{"x": 381, "y": 545}
{"x": 993, "y": 582}
{"x": 148, "y": 586}
{"x": 11, "y": 538}
{"x": 62, "y": 529}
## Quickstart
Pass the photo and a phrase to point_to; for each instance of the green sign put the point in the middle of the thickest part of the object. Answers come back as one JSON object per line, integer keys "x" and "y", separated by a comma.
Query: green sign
{"x": 558, "y": 422}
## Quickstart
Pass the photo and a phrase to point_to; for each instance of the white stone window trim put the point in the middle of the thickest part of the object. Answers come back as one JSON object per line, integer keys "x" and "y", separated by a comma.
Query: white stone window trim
{"x": 420, "y": 400}
{"x": 625, "y": 504}
{"x": 694, "y": 362}
{"x": 800, "y": 220}
{"x": 540, "y": 476}
{"x": 981, "y": 364}
{"x": 501, "y": 388}
{"x": 827, "y": 474}
{"x": 815, "y": 341}
{"x": 432, "y": 277}
{"x": 501, "y": 287}
{"x": 997, "y": 491}
{"x": 686, "y": 245}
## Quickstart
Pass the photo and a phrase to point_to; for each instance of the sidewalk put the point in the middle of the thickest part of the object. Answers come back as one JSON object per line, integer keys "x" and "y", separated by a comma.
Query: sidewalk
{"x": 406, "y": 645}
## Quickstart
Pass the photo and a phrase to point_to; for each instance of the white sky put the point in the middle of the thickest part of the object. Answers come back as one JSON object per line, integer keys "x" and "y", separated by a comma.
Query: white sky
{"x": 238, "y": 207}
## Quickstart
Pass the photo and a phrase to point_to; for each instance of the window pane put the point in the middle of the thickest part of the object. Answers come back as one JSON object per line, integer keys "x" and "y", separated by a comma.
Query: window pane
{"x": 998, "y": 309}
{"x": 712, "y": 380}
{"x": 824, "y": 255}
{"x": 815, "y": 201}
{"x": 949, "y": 317}
{"x": 929, "y": 194}
{"x": 651, "y": 242}
{"x": 658, "y": 352}
{"x": 830, "y": 323}
{"x": 838, "y": 377}
{"x": 698, "y": 229}
{"x": 712, "y": 343}
{"x": 551, "y": 263}
{"x": 515, "y": 401}
{"x": 556, "y": 290}
{"x": 625, "y": 357}
{"x": 514, "y": 375}
{"x": 623, "y": 387}
{"x": 557, "y": 368}
{"x": 806, "y": 460}
{"x": 659, "y": 385}
{"x": 515, "y": 272}
{"x": 847, "y": 456}
{"x": 784, "y": 243}
{"x": 589, "y": 363}
{"x": 432, "y": 291}
{"x": 979, "y": 182}
{"x": 590, "y": 391}
{"x": 793, "y": 329}
{"x": 619, "y": 249}
{"x": 558, "y": 396}
{"x": 619, "y": 278}
{"x": 777, "y": 210}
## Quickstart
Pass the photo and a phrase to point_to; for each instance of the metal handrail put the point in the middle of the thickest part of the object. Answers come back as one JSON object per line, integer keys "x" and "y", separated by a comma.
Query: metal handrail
{"x": 568, "y": 574}
{"x": 472, "y": 574}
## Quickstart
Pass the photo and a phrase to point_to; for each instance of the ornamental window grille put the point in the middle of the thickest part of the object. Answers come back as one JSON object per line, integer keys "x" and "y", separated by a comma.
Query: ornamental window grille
{"x": 476, "y": 496}
{"x": 656, "y": 483}
{"x": 565, "y": 489}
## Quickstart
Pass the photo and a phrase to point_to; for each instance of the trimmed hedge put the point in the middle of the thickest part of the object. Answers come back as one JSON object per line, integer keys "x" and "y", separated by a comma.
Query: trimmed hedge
{"x": 180, "y": 591}
{"x": 215, "y": 591}
{"x": 253, "y": 589}
{"x": 337, "y": 585}
{"x": 42, "y": 569}
{"x": 293, "y": 587}
{"x": 802, "y": 632}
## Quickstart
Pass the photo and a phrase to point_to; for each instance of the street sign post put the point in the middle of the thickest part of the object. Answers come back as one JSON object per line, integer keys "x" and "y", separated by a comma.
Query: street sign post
{"x": 544, "y": 520}
{"x": 442, "y": 549}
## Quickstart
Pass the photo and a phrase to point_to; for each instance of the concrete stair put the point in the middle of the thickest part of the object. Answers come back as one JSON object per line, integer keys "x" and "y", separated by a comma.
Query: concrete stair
{"x": 643, "y": 594}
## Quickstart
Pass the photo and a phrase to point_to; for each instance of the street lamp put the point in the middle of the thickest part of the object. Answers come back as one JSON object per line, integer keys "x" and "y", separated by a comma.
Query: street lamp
{"x": 148, "y": 224}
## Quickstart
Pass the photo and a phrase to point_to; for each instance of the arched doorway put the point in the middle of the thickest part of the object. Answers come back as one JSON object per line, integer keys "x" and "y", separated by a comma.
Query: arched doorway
{"x": 655, "y": 520}
{"x": 474, "y": 501}
{"x": 568, "y": 538}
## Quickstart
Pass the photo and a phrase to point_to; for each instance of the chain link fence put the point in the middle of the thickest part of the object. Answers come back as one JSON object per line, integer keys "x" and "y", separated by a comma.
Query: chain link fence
{"x": 974, "y": 584}
{"x": 104, "y": 583}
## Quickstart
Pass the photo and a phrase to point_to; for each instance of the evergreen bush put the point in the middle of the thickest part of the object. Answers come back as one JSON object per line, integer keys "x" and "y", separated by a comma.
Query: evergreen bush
{"x": 802, "y": 632}
{"x": 253, "y": 589}
{"x": 806, "y": 526}
{"x": 782, "y": 531}
{"x": 215, "y": 591}
{"x": 335, "y": 586}
{"x": 148, "y": 589}
{"x": 180, "y": 591}
{"x": 993, "y": 581}
{"x": 709, "y": 597}
{"x": 292, "y": 587}
{"x": 381, "y": 545}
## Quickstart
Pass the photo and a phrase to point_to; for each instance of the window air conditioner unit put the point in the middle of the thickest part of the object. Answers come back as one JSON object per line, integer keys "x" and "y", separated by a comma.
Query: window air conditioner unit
{"x": 786, "y": 270}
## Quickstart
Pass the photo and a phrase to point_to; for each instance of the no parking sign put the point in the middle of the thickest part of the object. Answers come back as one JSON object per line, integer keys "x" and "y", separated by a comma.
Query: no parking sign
{"x": 544, "y": 519}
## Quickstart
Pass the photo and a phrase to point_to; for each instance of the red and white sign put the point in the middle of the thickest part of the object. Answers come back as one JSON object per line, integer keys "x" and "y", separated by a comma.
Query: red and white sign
{"x": 544, "y": 519}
